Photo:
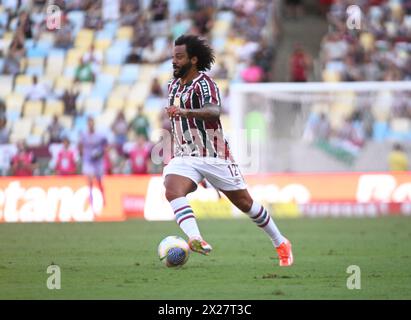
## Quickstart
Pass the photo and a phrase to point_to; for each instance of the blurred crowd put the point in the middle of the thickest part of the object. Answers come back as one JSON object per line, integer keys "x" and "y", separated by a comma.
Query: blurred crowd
{"x": 377, "y": 49}
{"x": 63, "y": 61}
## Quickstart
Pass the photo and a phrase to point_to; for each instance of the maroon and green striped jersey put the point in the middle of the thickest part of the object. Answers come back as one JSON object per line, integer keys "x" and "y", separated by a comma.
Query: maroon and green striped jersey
{"x": 191, "y": 136}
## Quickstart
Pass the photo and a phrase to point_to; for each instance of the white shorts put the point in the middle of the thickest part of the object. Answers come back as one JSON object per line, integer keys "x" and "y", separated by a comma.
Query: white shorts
{"x": 222, "y": 174}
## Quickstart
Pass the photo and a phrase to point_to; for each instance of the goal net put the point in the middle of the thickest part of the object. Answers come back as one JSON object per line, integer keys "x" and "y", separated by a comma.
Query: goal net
{"x": 316, "y": 126}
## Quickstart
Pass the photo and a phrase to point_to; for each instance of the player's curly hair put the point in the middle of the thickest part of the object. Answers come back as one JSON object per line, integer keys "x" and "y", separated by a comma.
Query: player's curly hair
{"x": 197, "y": 47}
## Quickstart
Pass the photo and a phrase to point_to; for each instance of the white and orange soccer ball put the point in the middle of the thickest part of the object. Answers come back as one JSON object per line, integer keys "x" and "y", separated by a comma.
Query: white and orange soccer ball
{"x": 174, "y": 251}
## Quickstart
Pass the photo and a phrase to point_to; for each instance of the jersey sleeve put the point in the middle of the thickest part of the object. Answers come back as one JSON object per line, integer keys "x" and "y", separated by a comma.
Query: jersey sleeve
{"x": 208, "y": 92}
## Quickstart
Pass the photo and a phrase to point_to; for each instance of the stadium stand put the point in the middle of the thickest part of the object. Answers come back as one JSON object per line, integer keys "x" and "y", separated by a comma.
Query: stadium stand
{"x": 100, "y": 57}
{"x": 379, "y": 50}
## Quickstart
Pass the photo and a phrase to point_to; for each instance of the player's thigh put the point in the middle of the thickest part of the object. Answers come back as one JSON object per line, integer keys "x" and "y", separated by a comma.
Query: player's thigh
{"x": 240, "y": 198}
{"x": 180, "y": 177}
{"x": 178, "y": 186}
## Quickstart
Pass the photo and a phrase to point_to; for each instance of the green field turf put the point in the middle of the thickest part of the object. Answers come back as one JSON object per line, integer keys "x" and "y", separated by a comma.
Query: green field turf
{"x": 119, "y": 260}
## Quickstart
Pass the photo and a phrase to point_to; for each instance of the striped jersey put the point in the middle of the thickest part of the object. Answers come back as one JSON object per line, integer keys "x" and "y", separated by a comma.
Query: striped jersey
{"x": 191, "y": 136}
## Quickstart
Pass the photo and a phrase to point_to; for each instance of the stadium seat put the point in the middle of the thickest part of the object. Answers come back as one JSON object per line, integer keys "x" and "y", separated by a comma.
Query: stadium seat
{"x": 84, "y": 88}
{"x": 125, "y": 32}
{"x": 62, "y": 84}
{"x": 219, "y": 43}
{"x": 80, "y": 125}
{"x": 38, "y": 130}
{"x": 106, "y": 119}
{"x": 93, "y": 106}
{"x": 35, "y": 66}
{"x": 112, "y": 70}
{"x": 222, "y": 85}
{"x": 367, "y": 41}
{"x": 43, "y": 120}
{"x": 6, "y": 85}
{"x": 400, "y": 125}
{"x": 54, "y": 107}
{"x": 5, "y": 45}
{"x": 132, "y": 103}
{"x": 102, "y": 44}
{"x": 23, "y": 83}
{"x": 14, "y": 101}
{"x": 14, "y": 106}
{"x": 33, "y": 108}
{"x": 331, "y": 76}
{"x": 154, "y": 103}
{"x": 34, "y": 140}
{"x": 74, "y": 55}
{"x": 122, "y": 90}
{"x": 227, "y": 16}
{"x": 76, "y": 17}
{"x": 107, "y": 33}
{"x": 154, "y": 118}
{"x": 129, "y": 73}
{"x": 130, "y": 113}
{"x": 8, "y": 35}
{"x": 66, "y": 122}
{"x": 102, "y": 86}
{"x": 114, "y": 56}
{"x": 220, "y": 28}
{"x": 138, "y": 93}
{"x": 55, "y": 62}
{"x": 147, "y": 72}
{"x": 46, "y": 39}
{"x": 115, "y": 102}
{"x": 29, "y": 43}
{"x": 21, "y": 129}
{"x": 37, "y": 51}
{"x": 160, "y": 43}
{"x": 165, "y": 66}
{"x": 84, "y": 38}
{"x": 380, "y": 131}
{"x": 4, "y": 16}
{"x": 164, "y": 78}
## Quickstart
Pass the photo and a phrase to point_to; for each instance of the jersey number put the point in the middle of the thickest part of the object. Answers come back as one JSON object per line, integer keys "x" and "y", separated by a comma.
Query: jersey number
{"x": 233, "y": 170}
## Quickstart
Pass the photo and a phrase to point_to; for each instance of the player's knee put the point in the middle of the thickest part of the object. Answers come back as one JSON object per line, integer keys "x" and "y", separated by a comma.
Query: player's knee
{"x": 245, "y": 204}
{"x": 173, "y": 194}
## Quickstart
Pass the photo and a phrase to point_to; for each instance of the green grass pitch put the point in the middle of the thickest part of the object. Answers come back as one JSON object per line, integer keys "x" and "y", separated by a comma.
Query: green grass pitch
{"x": 119, "y": 260}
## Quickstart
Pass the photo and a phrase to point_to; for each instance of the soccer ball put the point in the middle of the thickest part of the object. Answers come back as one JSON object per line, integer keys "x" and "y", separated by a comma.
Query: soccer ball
{"x": 173, "y": 251}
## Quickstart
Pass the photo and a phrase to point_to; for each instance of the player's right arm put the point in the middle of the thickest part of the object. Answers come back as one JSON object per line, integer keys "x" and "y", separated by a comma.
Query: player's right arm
{"x": 209, "y": 112}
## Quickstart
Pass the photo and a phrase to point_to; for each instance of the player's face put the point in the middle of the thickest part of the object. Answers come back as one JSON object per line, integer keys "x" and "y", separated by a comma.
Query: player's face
{"x": 181, "y": 62}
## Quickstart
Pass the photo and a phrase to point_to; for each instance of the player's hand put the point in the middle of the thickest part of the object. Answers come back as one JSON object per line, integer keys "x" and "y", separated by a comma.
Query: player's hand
{"x": 174, "y": 112}
{"x": 171, "y": 111}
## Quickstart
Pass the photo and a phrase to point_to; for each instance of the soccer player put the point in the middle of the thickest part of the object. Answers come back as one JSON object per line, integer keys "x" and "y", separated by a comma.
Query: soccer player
{"x": 200, "y": 149}
{"x": 92, "y": 147}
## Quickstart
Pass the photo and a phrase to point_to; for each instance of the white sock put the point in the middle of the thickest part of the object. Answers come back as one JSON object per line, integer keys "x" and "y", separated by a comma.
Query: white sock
{"x": 185, "y": 217}
{"x": 263, "y": 219}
